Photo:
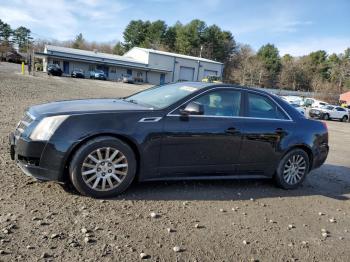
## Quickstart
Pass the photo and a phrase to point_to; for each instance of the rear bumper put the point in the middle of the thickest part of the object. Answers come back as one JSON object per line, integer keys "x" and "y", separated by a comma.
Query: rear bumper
{"x": 320, "y": 156}
{"x": 27, "y": 155}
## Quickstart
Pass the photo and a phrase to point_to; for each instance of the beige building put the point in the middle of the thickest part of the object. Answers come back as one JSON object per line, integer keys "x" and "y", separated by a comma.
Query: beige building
{"x": 144, "y": 65}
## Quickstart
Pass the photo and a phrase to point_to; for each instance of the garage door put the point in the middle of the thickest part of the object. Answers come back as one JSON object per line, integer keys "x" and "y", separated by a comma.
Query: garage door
{"x": 210, "y": 73}
{"x": 186, "y": 73}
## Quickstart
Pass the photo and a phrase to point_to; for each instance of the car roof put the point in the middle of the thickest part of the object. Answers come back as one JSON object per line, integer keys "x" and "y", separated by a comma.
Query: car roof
{"x": 210, "y": 85}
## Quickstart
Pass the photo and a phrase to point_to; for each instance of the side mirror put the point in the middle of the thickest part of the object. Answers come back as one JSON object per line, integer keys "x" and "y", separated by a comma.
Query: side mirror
{"x": 193, "y": 108}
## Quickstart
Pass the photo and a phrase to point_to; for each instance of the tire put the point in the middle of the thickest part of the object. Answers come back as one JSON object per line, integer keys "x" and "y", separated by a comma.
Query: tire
{"x": 92, "y": 159}
{"x": 326, "y": 117}
{"x": 282, "y": 177}
{"x": 344, "y": 118}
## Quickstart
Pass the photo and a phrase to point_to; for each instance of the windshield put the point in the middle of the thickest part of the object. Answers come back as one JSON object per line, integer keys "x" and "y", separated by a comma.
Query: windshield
{"x": 327, "y": 107}
{"x": 160, "y": 97}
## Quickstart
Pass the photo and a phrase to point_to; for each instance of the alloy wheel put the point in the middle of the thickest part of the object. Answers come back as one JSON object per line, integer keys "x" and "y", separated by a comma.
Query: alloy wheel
{"x": 104, "y": 169}
{"x": 294, "y": 169}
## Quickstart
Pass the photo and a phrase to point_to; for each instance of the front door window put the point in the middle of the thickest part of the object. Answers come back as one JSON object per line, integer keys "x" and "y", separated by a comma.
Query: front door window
{"x": 221, "y": 103}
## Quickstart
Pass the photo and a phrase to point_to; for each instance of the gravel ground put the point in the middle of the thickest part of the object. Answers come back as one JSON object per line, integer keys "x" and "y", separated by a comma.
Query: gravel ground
{"x": 196, "y": 221}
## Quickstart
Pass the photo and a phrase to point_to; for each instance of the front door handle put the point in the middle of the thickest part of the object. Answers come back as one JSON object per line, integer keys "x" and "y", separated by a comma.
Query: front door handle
{"x": 232, "y": 131}
{"x": 280, "y": 131}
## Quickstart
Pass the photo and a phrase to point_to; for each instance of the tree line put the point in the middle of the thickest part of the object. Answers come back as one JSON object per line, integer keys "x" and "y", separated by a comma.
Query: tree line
{"x": 20, "y": 37}
{"x": 318, "y": 71}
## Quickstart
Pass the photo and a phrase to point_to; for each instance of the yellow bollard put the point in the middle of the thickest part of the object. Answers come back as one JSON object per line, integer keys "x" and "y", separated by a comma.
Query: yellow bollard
{"x": 22, "y": 68}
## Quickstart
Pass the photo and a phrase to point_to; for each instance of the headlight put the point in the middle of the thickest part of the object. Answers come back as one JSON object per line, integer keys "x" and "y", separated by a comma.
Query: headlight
{"x": 46, "y": 127}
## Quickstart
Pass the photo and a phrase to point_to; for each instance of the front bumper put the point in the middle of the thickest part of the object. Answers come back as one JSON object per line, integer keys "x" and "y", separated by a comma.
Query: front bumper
{"x": 28, "y": 156}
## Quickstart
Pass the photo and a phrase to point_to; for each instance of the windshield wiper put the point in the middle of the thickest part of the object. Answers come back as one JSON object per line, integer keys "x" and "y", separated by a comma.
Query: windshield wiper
{"x": 138, "y": 103}
{"x": 132, "y": 101}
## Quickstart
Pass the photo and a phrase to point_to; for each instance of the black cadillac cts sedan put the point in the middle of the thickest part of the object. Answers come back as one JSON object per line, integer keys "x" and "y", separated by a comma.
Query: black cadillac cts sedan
{"x": 177, "y": 131}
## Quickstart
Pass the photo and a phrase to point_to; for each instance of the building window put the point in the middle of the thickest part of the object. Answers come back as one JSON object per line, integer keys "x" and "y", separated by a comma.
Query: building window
{"x": 113, "y": 70}
{"x": 56, "y": 62}
{"x": 129, "y": 72}
{"x": 91, "y": 67}
{"x": 139, "y": 74}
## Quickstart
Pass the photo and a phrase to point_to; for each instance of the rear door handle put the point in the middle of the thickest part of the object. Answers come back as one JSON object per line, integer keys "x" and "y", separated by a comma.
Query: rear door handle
{"x": 232, "y": 131}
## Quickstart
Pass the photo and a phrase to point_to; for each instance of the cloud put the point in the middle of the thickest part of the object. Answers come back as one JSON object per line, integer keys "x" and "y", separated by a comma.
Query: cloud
{"x": 305, "y": 46}
{"x": 271, "y": 25}
{"x": 11, "y": 15}
{"x": 62, "y": 19}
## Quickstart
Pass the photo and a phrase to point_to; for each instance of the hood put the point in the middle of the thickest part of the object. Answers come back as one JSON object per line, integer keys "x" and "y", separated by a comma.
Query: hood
{"x": 84, "y": 106}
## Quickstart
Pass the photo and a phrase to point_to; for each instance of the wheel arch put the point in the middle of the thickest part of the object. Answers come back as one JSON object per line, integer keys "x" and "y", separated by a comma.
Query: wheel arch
{"x": 75, "y": 148}
{"x": 304, "y": 147}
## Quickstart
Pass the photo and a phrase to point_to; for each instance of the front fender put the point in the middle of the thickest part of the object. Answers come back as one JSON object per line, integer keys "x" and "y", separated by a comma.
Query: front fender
{"x": 144, "y": 138}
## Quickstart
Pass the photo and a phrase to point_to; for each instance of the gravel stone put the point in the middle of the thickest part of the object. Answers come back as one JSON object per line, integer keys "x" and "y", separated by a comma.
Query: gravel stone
{"x": 144, "y": 256}
{"x": 332, "y": 220}
{"x": 176, "y": 249}
{"x": 45, "y": 255}
{"x": 88, "y": 240}
{"x": 154, "y": 215}
{"x": 54, "y": 236}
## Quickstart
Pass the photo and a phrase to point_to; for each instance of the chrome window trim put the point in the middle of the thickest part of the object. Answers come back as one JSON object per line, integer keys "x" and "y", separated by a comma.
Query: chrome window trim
{"x": 236, "y": 117}
{"x": 239, "y": 117}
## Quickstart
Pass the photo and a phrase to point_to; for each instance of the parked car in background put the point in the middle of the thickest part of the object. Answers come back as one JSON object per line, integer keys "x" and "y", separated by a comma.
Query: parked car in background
{"x": 299, "y": 108}
{"x": 128, "y": 79}
{"x": 78, "y": 73}
{"x": 329, "y": 112}
{"x": 54, "y": 69}
{"x": 187, "y": 130}
{"x": 296, "y": 100}
{"x": 212, "y": 79}
{"x": 98, "y": 74}
{"x": 311, "y": 102}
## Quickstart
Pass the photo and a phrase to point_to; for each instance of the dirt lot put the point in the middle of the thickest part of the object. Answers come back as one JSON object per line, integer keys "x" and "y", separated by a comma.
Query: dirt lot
{"x": 238, "y": 220}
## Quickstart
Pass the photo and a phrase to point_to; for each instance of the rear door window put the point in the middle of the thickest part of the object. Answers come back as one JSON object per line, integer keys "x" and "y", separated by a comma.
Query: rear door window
{"x": 259, "y": 106}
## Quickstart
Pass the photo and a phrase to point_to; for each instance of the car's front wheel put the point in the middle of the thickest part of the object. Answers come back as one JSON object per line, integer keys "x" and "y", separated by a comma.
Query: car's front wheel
{"x": 292, "y": 169}
{"x": 326, "y": 117}
{"x": 103, "y": 167}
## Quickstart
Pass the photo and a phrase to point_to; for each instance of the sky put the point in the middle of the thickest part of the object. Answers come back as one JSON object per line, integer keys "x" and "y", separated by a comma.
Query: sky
{"x": 297, "y": 27}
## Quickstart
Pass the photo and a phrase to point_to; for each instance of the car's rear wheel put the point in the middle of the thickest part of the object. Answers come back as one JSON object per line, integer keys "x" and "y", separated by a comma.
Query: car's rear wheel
{"x": 344, "y": 119}
{"x": 103, "y": 167}
{"x": 292, "y": 169}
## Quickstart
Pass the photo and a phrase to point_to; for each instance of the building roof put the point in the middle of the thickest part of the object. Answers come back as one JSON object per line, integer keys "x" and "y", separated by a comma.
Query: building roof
{"x": 176, "y": 55}
{"x": 52, "y": 48}
{"x": 97, "y": 57}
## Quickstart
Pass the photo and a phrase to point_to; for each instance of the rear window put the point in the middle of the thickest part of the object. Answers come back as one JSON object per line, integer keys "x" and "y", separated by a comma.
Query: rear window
{"x": 262, "y": 107}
